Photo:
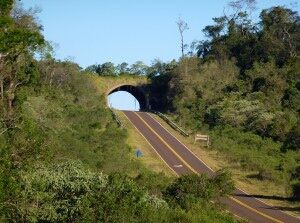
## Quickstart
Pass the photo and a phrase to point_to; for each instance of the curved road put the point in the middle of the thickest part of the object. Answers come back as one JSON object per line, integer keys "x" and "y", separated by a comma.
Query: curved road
{"x": 181, "y": 160}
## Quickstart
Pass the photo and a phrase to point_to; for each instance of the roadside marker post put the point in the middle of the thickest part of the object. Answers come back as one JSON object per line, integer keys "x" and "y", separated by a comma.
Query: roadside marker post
{"x": 138, "y": 153}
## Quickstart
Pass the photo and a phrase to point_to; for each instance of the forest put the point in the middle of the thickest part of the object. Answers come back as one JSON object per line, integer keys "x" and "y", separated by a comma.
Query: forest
{"x": 241, "y": 85}
{"x": 59, "y": 163}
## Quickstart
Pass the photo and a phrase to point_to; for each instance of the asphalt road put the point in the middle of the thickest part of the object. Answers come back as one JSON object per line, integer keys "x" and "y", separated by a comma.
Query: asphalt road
{"x": 182, "y": 161}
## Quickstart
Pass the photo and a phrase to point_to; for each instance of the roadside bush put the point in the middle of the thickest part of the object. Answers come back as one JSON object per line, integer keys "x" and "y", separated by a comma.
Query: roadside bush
{"x": 55, "y": 194}
{"x": 249, "y": 150}
{"x": 223, "y": 182}
{"x": 296, "y": 190}
{"x": 264, "y": 174}
{"x": 292, "y": 141}
{"x": 192, "y": 188}
{"x": 208, "y": 213}
{"x": 155, "y": 183}
{"x": 188, "y": 189}
{"x": 69, "y": 192}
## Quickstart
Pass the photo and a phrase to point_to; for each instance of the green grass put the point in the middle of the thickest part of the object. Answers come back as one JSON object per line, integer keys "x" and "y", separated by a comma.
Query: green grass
{"x": 150, "y": 158}
{"x": 105, "y": 84}
{"x": 61, "y": 124}
{"x": 245, "y": 155}
{"x": 64, "y": 140}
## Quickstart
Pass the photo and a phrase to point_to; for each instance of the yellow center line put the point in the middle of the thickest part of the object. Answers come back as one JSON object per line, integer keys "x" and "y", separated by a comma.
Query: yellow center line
{"x": 193, "y": 170}
{"x": 150, "y": 145}
{"x": 166, "y": 144}
{"x": 254, "y": 210}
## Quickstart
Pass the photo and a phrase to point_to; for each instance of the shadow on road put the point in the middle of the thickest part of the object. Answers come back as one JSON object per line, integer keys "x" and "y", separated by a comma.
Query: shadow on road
{"x": 271, "y": 197}
{"x": 285, "y": 208}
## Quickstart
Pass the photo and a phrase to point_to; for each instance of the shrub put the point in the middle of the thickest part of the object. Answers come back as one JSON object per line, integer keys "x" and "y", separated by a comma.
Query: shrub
{"x": 153, "y": 182}
{"x": 69, "y": 192}
{"x": 282, "y": 124}
{"x": 189, "y": 189}
{"x": 55, "y": 194}
{"x": 296, "y": 190}
{"x": 207, "y": 212}
{"x": 234, "y": 112}
{"x": 223, "y": 182}
{"x": 251, "y": 151}
{"x": 264, "y": 174}
{"x": 292, "y": 141}
{"x": 192, "y": 188}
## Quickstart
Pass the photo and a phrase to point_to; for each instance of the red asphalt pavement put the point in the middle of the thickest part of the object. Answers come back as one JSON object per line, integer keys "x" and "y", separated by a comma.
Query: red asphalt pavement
{"x": 182, "y": 161}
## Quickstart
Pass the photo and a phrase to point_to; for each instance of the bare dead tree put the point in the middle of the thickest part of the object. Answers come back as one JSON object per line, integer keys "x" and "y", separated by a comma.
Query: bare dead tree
{"x": 238, "y": 6}
{"x": 1, "y": 78}
{"x": 242, "y": 5}
{"x": 182, "y": 27}
{"x": 2, "y": 57}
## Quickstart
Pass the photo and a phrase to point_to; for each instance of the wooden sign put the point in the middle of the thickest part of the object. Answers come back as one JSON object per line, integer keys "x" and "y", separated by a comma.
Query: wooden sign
{"x": 202, "y": 138}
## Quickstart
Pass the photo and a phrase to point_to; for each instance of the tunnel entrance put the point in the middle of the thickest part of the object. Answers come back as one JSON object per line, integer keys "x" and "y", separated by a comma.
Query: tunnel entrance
{"x": 122, "y": 100}
{"x": 136, "y": 91}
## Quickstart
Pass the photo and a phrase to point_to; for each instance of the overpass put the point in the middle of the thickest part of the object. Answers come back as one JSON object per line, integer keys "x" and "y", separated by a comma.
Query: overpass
{"x": 138, "y": 91}
{"x": 138, "y": 86}
{"x": 180, "y": 159}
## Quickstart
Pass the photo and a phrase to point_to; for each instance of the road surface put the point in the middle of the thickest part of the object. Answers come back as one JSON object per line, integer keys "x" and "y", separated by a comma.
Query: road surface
{"x": 182, "y": 161}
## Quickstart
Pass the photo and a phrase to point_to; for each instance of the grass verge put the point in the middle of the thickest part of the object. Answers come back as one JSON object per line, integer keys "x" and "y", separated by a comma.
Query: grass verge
{"x": 150, "y": 158}
{"x": 268, "y": 191}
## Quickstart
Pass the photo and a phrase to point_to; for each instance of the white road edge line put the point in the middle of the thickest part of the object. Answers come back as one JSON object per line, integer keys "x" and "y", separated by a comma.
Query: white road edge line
{"x": 268, "y": 205}
{"x": 181, "y": 143}
{"x": 150, "y": 144}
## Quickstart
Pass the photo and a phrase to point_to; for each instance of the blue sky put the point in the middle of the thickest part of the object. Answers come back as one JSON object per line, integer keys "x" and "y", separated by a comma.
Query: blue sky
{"x": 97, "y": 31}
{"x": 123, "y": 100}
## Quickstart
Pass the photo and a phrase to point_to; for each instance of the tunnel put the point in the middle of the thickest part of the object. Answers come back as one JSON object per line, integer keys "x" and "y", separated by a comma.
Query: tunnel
{"x": 136, "y": 91}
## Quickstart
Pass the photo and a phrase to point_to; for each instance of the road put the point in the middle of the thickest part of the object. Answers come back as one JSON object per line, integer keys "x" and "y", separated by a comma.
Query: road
{"x": 182, "y": 161}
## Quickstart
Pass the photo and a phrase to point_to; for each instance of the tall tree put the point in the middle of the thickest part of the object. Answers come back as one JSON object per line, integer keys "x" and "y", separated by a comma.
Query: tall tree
{"x": 20, "y": 37}
{"x": 107, "y": 68}
{"x": 280, "y": 35}
{"x": 182, "y": 27}
{"x": 239, "y": 6}
{"x": 138, "y": 68}
{"x": 122, "y": 68}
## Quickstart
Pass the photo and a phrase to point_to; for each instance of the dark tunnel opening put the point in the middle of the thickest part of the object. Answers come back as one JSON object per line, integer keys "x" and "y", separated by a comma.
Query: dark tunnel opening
{"x": 136, "y": 91}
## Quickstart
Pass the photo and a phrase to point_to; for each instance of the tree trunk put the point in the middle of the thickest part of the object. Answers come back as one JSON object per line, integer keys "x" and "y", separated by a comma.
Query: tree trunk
{"x": 10, "y": 99}
{"x": 11, "y": 90}
{"x": 182, "y": 46}
{"x": 1, "y": 77}
{"x": 1, "y": 89}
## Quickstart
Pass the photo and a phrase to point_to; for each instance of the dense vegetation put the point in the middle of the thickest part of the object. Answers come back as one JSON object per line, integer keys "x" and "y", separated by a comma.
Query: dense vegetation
{"x": 241, "y": 85}
{"x": 63, "y": 158}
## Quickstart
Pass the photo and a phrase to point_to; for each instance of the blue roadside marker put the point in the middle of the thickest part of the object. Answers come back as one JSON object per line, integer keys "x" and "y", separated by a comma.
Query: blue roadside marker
{"x": 138, "y": 153}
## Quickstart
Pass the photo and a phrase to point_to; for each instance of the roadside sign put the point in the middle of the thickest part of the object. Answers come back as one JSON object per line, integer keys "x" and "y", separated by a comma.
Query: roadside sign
{"x": 138, "y": 153}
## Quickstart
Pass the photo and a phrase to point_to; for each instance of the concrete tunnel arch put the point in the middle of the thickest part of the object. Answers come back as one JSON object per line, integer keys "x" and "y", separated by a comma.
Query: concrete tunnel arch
{"x": 136, "y": 91}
